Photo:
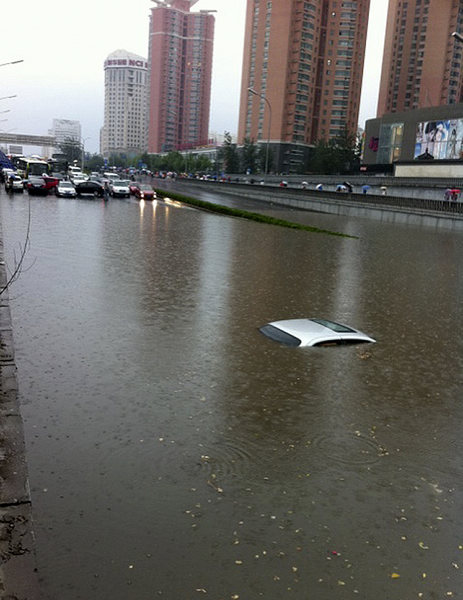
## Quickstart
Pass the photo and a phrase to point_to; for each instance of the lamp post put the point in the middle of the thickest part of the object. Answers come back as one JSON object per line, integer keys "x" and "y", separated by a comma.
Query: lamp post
{"x": 12, "y": 62}
{"x": 254, "y": 93}
{"x": 83, "y": 150}
{"x": 457, "y": 36}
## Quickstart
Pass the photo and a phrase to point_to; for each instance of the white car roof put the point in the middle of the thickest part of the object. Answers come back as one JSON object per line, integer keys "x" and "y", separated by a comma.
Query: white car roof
{"x": 312, "y": 332}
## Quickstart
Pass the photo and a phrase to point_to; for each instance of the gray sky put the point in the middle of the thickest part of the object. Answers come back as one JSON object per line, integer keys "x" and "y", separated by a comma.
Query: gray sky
{"x": 64, "y": 45}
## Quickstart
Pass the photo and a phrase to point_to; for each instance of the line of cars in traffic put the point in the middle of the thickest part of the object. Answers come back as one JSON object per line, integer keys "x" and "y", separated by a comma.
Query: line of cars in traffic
{"x": 78, "y": 184}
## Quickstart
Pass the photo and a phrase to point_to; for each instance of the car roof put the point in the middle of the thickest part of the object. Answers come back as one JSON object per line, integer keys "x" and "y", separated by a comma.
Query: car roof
{"x": 312, "y": 332}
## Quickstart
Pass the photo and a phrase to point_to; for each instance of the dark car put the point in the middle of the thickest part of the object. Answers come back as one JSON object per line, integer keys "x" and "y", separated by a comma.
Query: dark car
{"x": 93, "y": 188}
{"x": 36, "y": 185}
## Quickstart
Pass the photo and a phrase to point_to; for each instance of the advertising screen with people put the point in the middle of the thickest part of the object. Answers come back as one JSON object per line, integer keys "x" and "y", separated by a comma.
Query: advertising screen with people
{"x": 439, "y": 140}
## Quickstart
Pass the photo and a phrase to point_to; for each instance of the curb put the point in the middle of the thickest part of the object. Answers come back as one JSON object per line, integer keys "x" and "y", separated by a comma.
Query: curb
{"x": 18, "y": 569}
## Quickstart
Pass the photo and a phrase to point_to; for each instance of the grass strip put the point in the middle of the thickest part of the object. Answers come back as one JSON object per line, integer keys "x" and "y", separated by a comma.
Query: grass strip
{"x": 244, "y": 214}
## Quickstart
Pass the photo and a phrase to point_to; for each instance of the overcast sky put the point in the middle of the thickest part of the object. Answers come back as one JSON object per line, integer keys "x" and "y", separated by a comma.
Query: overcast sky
{"x": 64, "y": 45}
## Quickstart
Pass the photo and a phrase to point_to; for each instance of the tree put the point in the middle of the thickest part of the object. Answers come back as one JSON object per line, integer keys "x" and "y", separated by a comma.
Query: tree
{"x": 337, "y": 155}
{"x": 72, "y": 150}
{"x": 249, "y": 156}
{"x": 94, "y": 162}
{"x": 229, "y": 154}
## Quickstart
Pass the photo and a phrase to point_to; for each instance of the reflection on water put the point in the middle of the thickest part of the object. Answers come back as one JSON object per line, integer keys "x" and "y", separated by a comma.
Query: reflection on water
{"x": 175, "y": 452}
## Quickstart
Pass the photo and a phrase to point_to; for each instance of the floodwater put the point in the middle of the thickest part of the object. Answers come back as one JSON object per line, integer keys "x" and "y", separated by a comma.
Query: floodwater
{"x": 174, "y": 452}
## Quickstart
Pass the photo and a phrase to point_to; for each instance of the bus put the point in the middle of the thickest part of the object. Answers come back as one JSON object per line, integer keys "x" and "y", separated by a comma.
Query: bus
{"x": 58, "y": 165}
{"x": 30, "y": 166}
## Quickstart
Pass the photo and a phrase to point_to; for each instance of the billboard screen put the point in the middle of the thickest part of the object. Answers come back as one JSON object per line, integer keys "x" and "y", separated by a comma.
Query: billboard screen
{"x": 439, "y": 139}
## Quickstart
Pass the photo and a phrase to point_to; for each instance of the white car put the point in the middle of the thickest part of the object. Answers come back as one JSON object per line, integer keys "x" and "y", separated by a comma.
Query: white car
{"x": 65, "y": 189}
{"x": 120, "y": 188}
{"x": 313, "y": 332}
{"x": 14, "y": 183}
{"x": 78, "y": 178}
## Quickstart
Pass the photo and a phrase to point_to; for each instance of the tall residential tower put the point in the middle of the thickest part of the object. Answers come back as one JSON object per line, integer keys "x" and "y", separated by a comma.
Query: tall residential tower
{"x": 125, "y": 105}
{"x": 422, "y": 61}
{"x": 180, "y": 64}
{"x": 304, "y": 61}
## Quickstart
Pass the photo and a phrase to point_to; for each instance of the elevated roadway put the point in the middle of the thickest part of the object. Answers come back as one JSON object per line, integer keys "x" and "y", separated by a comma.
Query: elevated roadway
{"x": 436, "y": 213}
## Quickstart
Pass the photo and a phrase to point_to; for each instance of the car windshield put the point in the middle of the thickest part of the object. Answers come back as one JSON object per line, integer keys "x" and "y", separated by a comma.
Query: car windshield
{"x": 66, "y": 184}
{"x": 146, "y": 188}
{"x": 122, "y": 182}
{"x": 333, "y": 326}
{"x": 278, "y": 335}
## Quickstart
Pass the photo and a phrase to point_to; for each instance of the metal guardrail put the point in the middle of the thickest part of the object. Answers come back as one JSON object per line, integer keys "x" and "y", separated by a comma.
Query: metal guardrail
{"x": 418, "y": 205}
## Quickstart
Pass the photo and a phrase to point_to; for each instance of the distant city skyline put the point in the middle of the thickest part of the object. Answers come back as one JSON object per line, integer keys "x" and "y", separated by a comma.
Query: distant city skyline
{"x": 62, "y": 78}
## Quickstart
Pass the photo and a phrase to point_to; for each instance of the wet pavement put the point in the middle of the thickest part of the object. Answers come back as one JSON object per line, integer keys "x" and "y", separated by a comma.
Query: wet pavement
{"x": 18, "y": 575}
{"x": 175, "y": 452}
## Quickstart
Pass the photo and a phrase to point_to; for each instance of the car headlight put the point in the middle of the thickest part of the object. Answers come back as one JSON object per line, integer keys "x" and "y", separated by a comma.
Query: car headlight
{"x": 142, "y": 195}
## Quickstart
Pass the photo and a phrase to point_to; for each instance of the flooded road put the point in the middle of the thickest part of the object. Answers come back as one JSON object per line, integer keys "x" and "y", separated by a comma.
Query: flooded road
{"x": 174, "y": 452}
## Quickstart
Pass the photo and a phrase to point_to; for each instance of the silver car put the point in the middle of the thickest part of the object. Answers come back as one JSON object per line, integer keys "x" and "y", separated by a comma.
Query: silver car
{"x": 65, "y": 189}
{"x": 313, "y": 332}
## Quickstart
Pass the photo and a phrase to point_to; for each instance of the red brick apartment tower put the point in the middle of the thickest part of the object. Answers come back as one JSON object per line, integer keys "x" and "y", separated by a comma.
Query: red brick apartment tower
{"x": 306, "y": 59}
{"x": 180, "y": 67}
{"x": 421, "y": 61}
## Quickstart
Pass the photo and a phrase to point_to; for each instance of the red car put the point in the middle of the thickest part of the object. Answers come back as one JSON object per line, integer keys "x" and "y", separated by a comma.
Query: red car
{"x": 144, "y": 192}
{"x": 133, "y": 186}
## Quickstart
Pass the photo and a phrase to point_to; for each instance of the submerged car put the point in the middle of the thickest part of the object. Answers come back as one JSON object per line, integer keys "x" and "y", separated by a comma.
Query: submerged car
{"x": 65, "y": 189}
{"x": 145, "y": 192}
{"x": 313, "y": 332}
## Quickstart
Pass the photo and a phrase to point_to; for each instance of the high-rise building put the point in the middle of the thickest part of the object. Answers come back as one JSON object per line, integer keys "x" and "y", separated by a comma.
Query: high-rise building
{"x": 180, "y": 62}
{"x": 65, "y": 130}
{"x": 422, "y": 61}
{"x": 304, "y": 61}
{"x": 125, "y": 104}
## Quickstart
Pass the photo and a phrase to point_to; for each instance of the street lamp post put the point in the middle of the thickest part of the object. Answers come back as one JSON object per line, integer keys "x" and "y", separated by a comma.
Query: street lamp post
{"x": 457, "y": 36}
{"x": 83, "y": 150}
{"x": 12, "y": 62}
{"x": 252, "y": 91}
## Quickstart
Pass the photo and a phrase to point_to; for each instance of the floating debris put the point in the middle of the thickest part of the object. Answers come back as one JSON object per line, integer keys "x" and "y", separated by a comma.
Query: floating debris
{"x": 422, "y": 545}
